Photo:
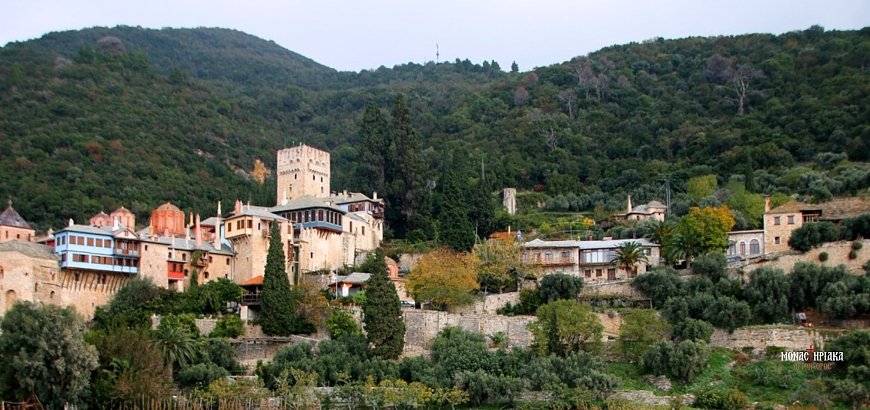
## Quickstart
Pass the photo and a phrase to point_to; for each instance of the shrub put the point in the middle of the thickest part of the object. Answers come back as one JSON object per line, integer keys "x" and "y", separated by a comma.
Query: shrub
{"x": 857, "y": 245}
{"x": 220, "y": 352}
{"x": 185, "y": 322}
{"x": 765, "y": 294}
{"x": 559, "y": 286}
{"x": 853, "y": 254}
{"x": 341, "y": 322}
{"x": 566, "y": 326}
{"x": 200, "y": 375}
{"x": 721, "y": 399}
{"x": 823, "y": 257}
{"x": 812, "y": 235}
{"x": 683, "y": 360}
{"x": 854, "y": 228}
{"x": 659, "y": 285}
{"x": 693, "y": 329}
{"x": 711, "y": 265}
{"x": 483, "y": 387}
{"x": 230, "y": 326}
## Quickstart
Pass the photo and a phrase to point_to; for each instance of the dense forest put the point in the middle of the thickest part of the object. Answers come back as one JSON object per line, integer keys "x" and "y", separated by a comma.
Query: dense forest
{"x": 102, "y": 117}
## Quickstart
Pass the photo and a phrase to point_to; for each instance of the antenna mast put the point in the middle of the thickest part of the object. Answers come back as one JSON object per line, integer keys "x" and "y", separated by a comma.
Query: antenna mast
{"x": 437, "y": 53}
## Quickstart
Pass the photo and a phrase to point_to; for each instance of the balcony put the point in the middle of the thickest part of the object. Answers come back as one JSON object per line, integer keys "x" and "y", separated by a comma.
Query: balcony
{"x": 99, "y": 267}
{"x": 129, "y": 253}
{"x": 323, "y": 225}
{"x": 249, "y": 299}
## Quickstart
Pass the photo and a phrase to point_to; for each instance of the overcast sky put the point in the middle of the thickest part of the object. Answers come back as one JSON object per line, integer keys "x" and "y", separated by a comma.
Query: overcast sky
{"x": 362, "y": 34}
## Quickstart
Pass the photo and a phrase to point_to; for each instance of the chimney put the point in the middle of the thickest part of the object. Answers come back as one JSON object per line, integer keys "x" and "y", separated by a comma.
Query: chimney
{"x": 217, "y": 228}
{"x": 116, "y": 223}
{"x": 284, "y": 198}
{"x": 238, "y": 207}
{"x": 629, "y": 204}
{"x": 766, "y": 203}
{"x": 375, "y": 195}
{"x": 344, "y": 194}
{"x": 198, "y": 232}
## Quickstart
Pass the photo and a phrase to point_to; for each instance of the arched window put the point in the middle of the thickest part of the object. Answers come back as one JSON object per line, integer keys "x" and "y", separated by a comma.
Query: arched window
{"x": 754, "y": 247}
{"x": 742, "y": 248}
{"x": 51, "y": 295}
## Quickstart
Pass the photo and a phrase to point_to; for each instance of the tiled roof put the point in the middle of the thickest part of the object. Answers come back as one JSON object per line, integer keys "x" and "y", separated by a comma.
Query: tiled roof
{"x": 835, "y": 209}
{"x": 341, "y": 198}
{"x": 306, "y": 202}
{"x": 28, "y": 248}
{"x": 86, "y": 229}
{"x": 608, "y": 244}
{"x": 258, "y": 211}
{"x": 255, "y": 281}
{"x": 188, "y": 245}
{"x": 356, "y": 278}
{"x": 10, "y": 217}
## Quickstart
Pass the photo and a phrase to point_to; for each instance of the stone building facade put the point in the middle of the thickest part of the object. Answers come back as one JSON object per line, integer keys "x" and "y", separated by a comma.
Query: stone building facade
{"x": 781, "y": 221}
{"x": 746, "y": 244}
{"x": 302, "y": 170}
{"x": 28, "y": 272}
{"x": 591, "y": 260}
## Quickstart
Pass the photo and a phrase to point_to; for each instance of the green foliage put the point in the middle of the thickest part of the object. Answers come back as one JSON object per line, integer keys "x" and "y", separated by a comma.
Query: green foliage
{"x": 711, "y": 265}
{"x": 683, "y": 360}
{"x": 659, "y": 285}
{"x": 483, "y": 387}
{"x": 44, "y": 354}
{"x": 722, "y": 311}
{"x": 559, "y": 286}
{"x": 703, "y": 230}
{"x": 341, "y": 322}
{"x": 700, "y": 187}
{"x": 721, "y": 399}
{"x": 457, "y": 350}
{"x": 628, "y": 255}
{"x": 823, "y": 257}
{"x": 847, "y": 298}
{"x": 639, "y": 330}
{"x": 185, "y": 322}
{"x": 219, "y": 351}
{"x": 382, "y": 312}
{"x": 200, "y": 375}
{"x": 811, "y": 235}
{"x": 178, "y": 345}
{"x": 131, "y": 306}
{"x": 693, "y": 329}
{"x": 215, "y": 294}
{"x": 455, "y": 227}
{"x": 131, "y": 367}
{"x": 852, "y": 380}
{"x": 566, "y": 326}
{"x": 807, "y": 282}
{"x": 230, "y": 326}
{"x": 277, "y": 315}
{"x": 530, "y": 300}
{"x": 766, "y": 293}
{"x": 855, "y": 228}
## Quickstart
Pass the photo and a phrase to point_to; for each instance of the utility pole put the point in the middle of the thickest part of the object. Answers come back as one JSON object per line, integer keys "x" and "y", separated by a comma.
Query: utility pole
{"x": 437, "y": 54}
{"x": 668, "y": 195}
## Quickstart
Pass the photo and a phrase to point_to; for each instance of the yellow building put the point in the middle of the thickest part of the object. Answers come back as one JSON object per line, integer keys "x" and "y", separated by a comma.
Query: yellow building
{"x": 781, "y": 221}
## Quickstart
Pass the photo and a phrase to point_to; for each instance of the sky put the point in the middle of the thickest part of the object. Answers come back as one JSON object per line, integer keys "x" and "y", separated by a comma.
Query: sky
{"x": 353, "y": 35}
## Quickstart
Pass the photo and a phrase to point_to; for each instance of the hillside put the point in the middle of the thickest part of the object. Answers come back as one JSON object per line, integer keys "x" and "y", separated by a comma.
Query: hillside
{"x": 179, "y": 114}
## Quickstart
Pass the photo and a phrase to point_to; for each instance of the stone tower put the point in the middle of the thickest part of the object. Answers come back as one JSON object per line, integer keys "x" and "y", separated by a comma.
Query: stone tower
{"x": 302, "y": 170}
{"x": 509, "y": 200}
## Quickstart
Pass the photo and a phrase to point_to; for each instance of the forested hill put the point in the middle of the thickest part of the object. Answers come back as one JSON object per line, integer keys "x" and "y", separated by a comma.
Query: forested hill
{"x": 100, "y": 117}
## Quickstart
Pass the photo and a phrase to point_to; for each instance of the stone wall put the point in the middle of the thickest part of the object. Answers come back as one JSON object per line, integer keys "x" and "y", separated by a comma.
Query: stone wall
{"x": 621, "y": 288}
{"x": 490, "y": 304}
{"x": 421, "y": 326}
{"x": 838, "y": 254}
{"x": 249, "y": 350}
{"x": 760, "y": 337}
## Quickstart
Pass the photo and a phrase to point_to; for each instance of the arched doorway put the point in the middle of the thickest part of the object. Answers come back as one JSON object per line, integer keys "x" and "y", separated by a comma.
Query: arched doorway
{"x": 10, "y": 299}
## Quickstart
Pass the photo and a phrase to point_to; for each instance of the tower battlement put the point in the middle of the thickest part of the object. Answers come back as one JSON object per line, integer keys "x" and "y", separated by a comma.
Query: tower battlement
{"x": 302, "y": 170}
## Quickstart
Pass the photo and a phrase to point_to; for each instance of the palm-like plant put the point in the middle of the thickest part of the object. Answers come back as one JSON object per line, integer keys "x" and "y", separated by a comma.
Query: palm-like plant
{"x": 628, "y": 255}
{"x": 179, "y": 347}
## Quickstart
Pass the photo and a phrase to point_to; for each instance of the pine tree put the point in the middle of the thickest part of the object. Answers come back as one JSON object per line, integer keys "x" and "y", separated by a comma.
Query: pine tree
{"x": 382, "y": 312}
{"x": 277, "y": 317}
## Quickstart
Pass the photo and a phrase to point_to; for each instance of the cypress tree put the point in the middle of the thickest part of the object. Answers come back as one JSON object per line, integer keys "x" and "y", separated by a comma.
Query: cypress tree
{"x": 277, "y": 317}
{"x": 382, "y": 312}
{"x": 374, "y": 152}
{"x": 455, "y": 228}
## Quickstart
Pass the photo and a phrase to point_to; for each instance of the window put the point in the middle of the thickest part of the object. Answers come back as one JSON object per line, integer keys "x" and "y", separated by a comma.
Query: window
{"x": 146, "y": 247}
{"x": 228, "y": 261}
{"x": 101, "y": 280}
{"x": 611, "y": 274}
{"x": 754, "y": 247}
{"x": 791, "y": 219}
{"x": 364, "y": 230}
{"x": 776, "y": 220}
{"x": 548, "y": 256}
{"x": 250, "y": 223}
{"x": 588, "y": 273}
{"x": 776, "y": 240}
{"x": 91, "y": 242}
{"x": 742, "y": 248}
{"x": 312, "y": 255}
{"x": 313, "y": 178}
{"x": 229, "y": 227}
{"x": 259, "y": 226}
{"x": 51, "y": 295}
{"x": 184, "y": 256}
{"x": 565, "y": 256}
{"x": 206, "y": 275}
{"x": 598, "y": 273}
